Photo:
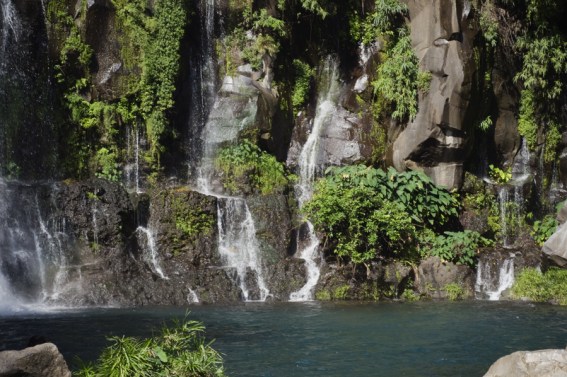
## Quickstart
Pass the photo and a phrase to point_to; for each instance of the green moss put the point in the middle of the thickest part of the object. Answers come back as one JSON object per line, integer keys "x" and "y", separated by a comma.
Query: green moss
{"x": 192, "y": 220}
{"x": 341, "y": 292}
{"x": 323, "y": 295}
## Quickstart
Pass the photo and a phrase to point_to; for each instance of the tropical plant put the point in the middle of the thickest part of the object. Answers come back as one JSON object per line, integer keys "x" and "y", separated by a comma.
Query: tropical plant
{"x": 500, "y": 176}
{"x": 458, "y": 247}
{"x": 366, "y": 212}
{"x": 178, "y": 351}
{"x": 454, "y": 291}
{"x": 244, "y": 165}
{"x": 543, "y": 229}
{"x": 425, "y": 202}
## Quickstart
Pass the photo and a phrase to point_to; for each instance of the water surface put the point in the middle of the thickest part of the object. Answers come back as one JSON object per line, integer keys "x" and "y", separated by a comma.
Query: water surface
{"x": 322, "y": 339}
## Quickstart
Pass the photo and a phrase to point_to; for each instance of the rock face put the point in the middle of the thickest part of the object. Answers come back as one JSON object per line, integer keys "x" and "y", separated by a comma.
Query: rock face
{"x": 43, "y": 360}
{"x": 434, "y": 275}
{"x": 434, "y": 141}
{"x": 556, "y": 246}
{"x": 544, "y": 363}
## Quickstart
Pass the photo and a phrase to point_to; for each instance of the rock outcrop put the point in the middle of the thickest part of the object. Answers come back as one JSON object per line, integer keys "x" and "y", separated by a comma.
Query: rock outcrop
{"x": 556, "y": 246}
{"x": 435, "y": 140}
{"x": 543, "y": 363}
{"x": 43, "y": 360}
{"x": 434, "y": 275}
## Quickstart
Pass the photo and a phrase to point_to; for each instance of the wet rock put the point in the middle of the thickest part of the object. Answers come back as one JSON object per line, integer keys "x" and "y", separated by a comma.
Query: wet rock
{"x": 543, "y": 363}
{"x": 43, "y": 360}
{"x": 433, "y": 276}
{"x": 498, "y": 267}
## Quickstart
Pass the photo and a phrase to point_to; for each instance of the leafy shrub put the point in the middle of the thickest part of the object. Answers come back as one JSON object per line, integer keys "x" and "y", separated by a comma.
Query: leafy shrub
{"x": 245, "y": 165}
{"x": 359, "y": 222}
{"x": 533, "y": 285}
{"x": 191, "y": 220}
{"x": 425, "y": 202}
{"x": 177, "y": 351}
{"x": 458, "y": 247}
{"x": 500, "y": 176}
{"x": 543, "y": 229}
{"x": 454, "y": 291}
{"x": 367, "y": 212}
{"x": 303, "y": 73}
{"x": 398, "y": 78}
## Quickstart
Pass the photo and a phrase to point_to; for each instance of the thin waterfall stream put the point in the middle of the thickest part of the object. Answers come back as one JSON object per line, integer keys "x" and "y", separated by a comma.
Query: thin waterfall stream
{"x": 309, "y": 169}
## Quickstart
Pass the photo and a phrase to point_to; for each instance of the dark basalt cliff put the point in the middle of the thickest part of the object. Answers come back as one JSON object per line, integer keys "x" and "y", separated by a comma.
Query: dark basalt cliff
{"x": 113, "y": 114}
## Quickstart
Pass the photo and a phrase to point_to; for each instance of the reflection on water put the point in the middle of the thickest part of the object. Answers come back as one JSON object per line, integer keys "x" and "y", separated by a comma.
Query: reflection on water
{"x": 314, "y": 339}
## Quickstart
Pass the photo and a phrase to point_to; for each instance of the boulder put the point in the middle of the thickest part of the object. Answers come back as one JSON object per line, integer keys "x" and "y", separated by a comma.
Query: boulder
{"x": 43, "y": 360}
{"x": 542, "y": 363}
{"x": 433, "y": 276}
{"x": 556, "y": 246}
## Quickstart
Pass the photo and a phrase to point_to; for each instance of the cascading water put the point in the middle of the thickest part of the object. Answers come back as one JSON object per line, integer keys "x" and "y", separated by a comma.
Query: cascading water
{"x": 146, "y": 238}
{"x": 309, "y": 167}
{"x": 494, "y": 277}
{"x": 33, "y": 265}
{"x": 213, "y": 124}
{"x": 238, "y": 245}
{"x": 203, "y": 79}
{"x": 132, "y": 168}
{"x": 511, "y": 198}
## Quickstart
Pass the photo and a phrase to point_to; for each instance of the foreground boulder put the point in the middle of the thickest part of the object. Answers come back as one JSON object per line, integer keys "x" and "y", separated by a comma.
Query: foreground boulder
{"x": 43, "y": 360}
{"x": 556, "y": 246}
{"x": 543, "y": 363}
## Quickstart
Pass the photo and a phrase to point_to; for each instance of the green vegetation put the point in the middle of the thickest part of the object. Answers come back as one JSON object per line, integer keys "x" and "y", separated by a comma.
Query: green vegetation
{"x": 143, "y": 96}
{"x": 245, "y": 166}
{"x": 500, "y": 176}
{"x": 458, "y": 247}
{"x": 398, "y": 78}
{"x": 454, "y": 291}
{"x": 543, "y": 229}
{"x": 304, "y": 74}
{"x": 366, "y": 212}
{"x": 533, "y": 285}
{"x": 179, "y": 350}
{"x": 192, "y": 220}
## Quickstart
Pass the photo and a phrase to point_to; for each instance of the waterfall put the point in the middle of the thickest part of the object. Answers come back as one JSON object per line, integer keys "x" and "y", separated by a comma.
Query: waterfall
{"x": 214, "y": 122}
{"x": 203, "y": 79}
{"x": 11, "y": 25}
{"x": 132, "y": 167}
{"x": 146, "y": 237}
{"x": 33, "y": 265}
{"x": 192, "y": 297}
{"x": 238, "y": 245}
{"x": 490, "y": 284}
{"x": 309, "y": 167}
{"x": 511, "y": 198}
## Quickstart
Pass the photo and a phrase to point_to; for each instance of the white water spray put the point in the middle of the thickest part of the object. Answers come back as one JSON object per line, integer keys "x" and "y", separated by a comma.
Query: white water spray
{"x": 192, "y": 297}
{"x": 309, "y": 168}
{"x": 490, "y": 283}
{"x": 238, "y": 245}
{"x": 11, "y": 24}
{"x": 151, "y": 251}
